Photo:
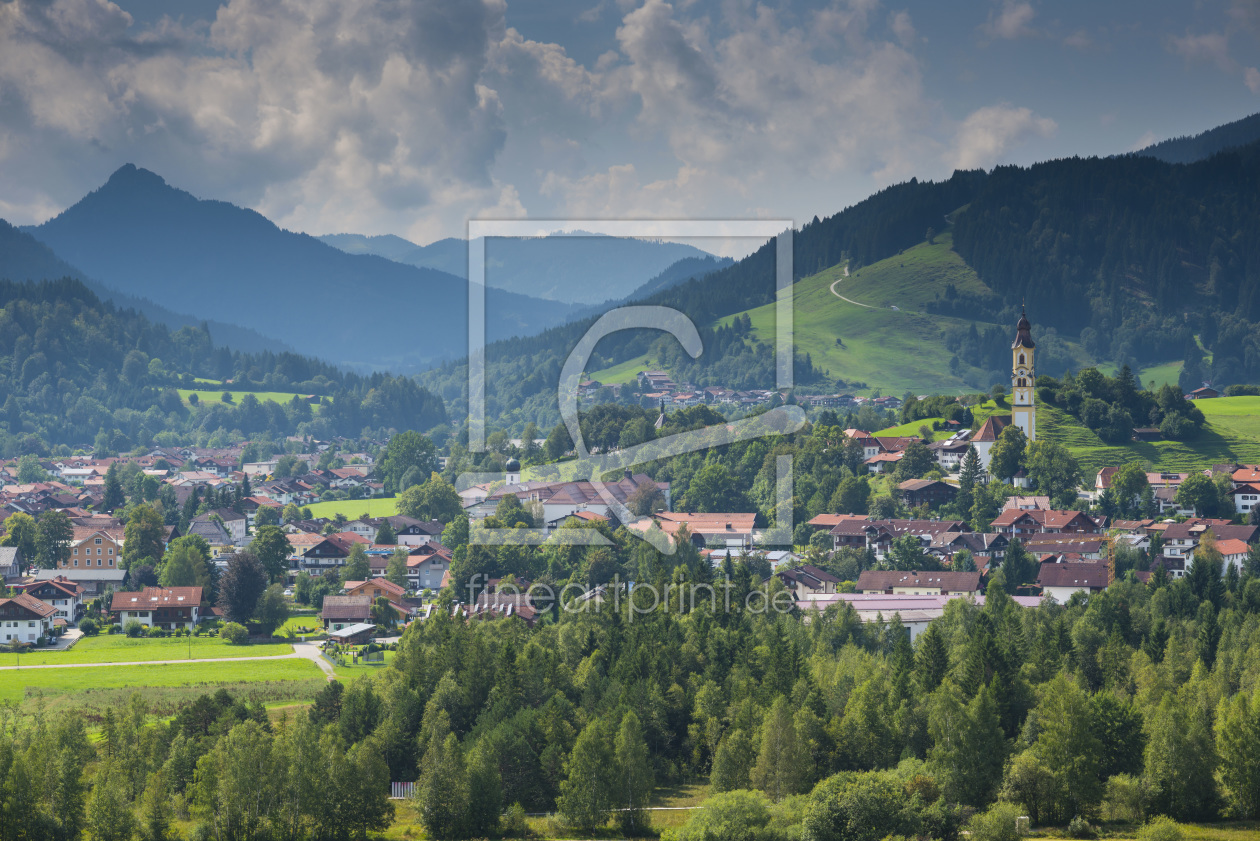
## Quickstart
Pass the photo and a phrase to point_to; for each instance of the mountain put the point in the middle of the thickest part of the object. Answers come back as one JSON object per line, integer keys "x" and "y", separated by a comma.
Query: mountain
{"x": 149, "y": 240}
{"x": 79, "y": 371}
{"x": 1185, "y": 150}
{"x": 22, "y": 257}
{"x": 568, "y": 267}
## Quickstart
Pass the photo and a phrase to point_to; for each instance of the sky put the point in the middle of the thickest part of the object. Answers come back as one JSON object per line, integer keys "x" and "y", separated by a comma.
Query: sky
{"x": 410, "y": 118}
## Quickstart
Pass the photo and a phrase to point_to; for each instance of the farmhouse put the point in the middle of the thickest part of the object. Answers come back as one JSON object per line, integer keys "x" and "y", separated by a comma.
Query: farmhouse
{"x": 24, "y": 618}
{"x": 171, "y": 608}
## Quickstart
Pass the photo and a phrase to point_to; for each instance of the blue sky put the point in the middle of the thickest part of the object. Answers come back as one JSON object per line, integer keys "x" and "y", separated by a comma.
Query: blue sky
{"x": 410, "y": 118}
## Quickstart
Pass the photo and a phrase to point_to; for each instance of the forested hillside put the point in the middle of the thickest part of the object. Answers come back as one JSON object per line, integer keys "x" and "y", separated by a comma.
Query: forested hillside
{"x": 74, "y": 370}
{"x": 1184, "y": 150}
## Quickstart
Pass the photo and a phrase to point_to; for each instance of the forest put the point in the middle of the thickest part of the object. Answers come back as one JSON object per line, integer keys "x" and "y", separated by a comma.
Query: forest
{"x": 1131, "y": 703}
{"x": 74, "y": 370}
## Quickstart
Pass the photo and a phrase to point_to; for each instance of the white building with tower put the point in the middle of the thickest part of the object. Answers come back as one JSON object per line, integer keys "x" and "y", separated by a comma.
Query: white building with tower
{"x": 1023, "y": 403}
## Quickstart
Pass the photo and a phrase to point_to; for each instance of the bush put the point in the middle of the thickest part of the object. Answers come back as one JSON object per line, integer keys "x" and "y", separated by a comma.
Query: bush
{"x": 1125, "y": 799}
{"x": 997, "y": 824}
{"x": 731, "y": 816}
{"x": 513, "y": 824}
{"x": 1078, "y": 827}
{"x": 133, "y": 628}
{"x": 1161, "y": 829}
{"x": 115, "y": 629}
{"x": 155, "y": 632}
{"x": 89, "y": 627}
{"x": 235, "y": 633}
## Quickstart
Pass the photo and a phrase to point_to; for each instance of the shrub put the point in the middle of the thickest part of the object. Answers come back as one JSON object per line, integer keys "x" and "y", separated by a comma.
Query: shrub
{"x": 513, "y": 824}
{"x": 89, "y": 627}
{"x": 235, "y": 633}
{"x": 155, "y": 632}
{"x": 732, "y": 816}
{"x": 997, "y": 824}
{"x": 1078, "y": 827}
{"x": 1161, "y": 828}
{"x": 133, "y": 628}
{"x": 115, "y": 629}
{"x": 1125, "y": 799}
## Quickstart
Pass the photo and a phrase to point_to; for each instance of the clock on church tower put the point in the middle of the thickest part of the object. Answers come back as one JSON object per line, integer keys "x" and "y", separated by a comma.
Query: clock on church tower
{"x": 1023, "y": 378}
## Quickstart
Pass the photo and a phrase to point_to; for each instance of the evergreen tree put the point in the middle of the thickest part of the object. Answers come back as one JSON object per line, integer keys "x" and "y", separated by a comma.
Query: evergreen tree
{"x": 356, "y": 568}
{"x": 780, "y": 761}
{"x": 442, "y": 793}
{"x": 396, "y": 572}
{"x": 385, "y": 535}
{"x": 634, "y": 775}
{"x": 732, "y": 761}
{"x": 1018, "y": 566}
{"x": 1237, "y": 737}
{"x": 586, "y": 795}
{"x": 241, "y": 587}
{"x": 114, "y": 496}
{"x": 272, "y": 550}
{"x": 485, "y": 791}
{"x": 155, "y": 808}
{"x": 968, "y": 749}
{"x": 109, "y": 814}
{"x": 932, "y": 659}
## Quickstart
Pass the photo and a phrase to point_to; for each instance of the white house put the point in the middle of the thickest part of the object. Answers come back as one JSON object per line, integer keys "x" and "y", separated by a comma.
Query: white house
{"x": 171, "y": 608}
{"x": 25, "y": 618}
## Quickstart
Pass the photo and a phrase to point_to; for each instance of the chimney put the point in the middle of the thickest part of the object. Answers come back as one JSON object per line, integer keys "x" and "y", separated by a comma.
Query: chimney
{"x": 629, "y": 475}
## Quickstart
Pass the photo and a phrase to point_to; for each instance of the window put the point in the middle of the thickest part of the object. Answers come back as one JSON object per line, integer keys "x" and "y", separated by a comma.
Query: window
{"x": 97, "y": 541}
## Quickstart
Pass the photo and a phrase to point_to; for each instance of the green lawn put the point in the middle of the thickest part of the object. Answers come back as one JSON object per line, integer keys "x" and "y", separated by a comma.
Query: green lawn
{"x": 117, "y": 648}
{"x": 1234, "y": 415}
{"x": 1158, "y": 375}
{"x": 15, "y": 683}
{"x": 213, "y": 396}
{"x": 355, "y": 508}
{"x": 625, "y": 372}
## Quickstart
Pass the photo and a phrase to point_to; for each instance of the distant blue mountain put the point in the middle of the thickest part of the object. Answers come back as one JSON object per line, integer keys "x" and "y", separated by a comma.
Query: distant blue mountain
{"x": 146, "y": 239}
{"x": 571, "y": 268}
{"x": 1186, "y": 150}
{"x": 24, "y": 258}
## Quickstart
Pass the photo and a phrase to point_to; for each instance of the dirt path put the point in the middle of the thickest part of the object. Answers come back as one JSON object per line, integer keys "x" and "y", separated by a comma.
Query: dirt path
{"x": 841, "y": 297}
{"x": 310, "y": 651}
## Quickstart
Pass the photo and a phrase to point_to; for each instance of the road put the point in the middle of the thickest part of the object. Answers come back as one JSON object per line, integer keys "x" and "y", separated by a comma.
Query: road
{"x": 842, "y": 298}
{"x": 301, "y": 651}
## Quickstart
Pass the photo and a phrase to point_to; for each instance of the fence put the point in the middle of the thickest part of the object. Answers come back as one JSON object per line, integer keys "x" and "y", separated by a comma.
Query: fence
{"x": 401, "y": 791}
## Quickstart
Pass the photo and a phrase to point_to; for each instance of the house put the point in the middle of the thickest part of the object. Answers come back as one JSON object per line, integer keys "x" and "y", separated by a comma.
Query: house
{"x": 425, "y": 571}
{"x": 360, "y": 634}
{"x": 1233, "y": 551}
{"x": 343, "y": 611}
{"x": 171, "y": 608}
{"x": 413, "y": 532}
{"x": 61, "y": 594}
{"x": 504, "y": 605}
{"x": 880, "y": 534}
{"x": 929, "y": 492}
{"x": 883, "y": 462}
{"x": 987, "y": 436}
{"x": 916, "y": 583}
{"x": 235, "y": 524}
{"x": 325, "y": 553}
{"x": 95, "y": 582}
{"x": 985, "y": 547}
{"x": 827, "y": 522}
{"x": 729, "y": 530}
{"x": 214, "y": 534}
{"x": 1018, "y": 522}
{"x": 375, "y": 588}
{"x": 1060, "y": 581}
{"x": 1027, "y": 503}
{"x": 807, "y": 580}
{"x": 1181, "y": 539}
{"x": 24, "y": 618}
{"x": 560, "y": 499}
{"x": 1206, "y": 392}
{"x": 100, "y": 548}
{"x": 11, "y": 564}
{"x": 1147, "y": 433}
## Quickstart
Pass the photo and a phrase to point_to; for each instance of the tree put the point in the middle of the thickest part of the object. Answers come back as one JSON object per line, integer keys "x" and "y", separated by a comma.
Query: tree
{"x": 558, "y": 442}
{"x": 187, "y": 564}
{"x": 860, "y": 807}
{"x": 144, "y": 536}
{"x": 432, "y": 500}
{"x": 780, "y": 762}
{"x": 907, "y": 554}
{"x": 396, "y": 572}
{"x": 385, "y": 535}
{"x": 1068, "y": 747}
{"x": 1198, "y": 493}
{"x": 932, "y": 659}
{"x": 155, "y": 808}
{"x": 1052, "y": 468}
{"x": 586, "y": 794}
{"x": 852, "y": 496}
{"x": 732, "y": 761}
{"x": 406, "y": 451}
{"x": 267, "y": 515}
{"x": 971, "y": 470}
{"x": 114, "y": 496}
{"x": 730, "y": 816}
{"x": 485, "y": 791}
{"x": 916, "y": 460}
{"x": 1237, "y": 735}
{"x": 634, "y": 775}
{"x": 1127, "y": 486}
{"x": 1180, "y": 759}
{"x": 271, "y": 611}
{"x": 356, "y": 568}
{"x": 31, "y": 471}
{"x": 291, "y": 513}
{"x": 1007, "y": 455}
{"x": 713, "y": 490}
{"x": 21, "y": 531}
{"x": 241, "y": 586}
{"x": 1018, "y": 566}
{"x": 968, "y": 746}
{"x": 109, "y": 812}
{"x": 442, "y": 793}
{"x": 52, "y": 539}
{"x": 272, "y": 549}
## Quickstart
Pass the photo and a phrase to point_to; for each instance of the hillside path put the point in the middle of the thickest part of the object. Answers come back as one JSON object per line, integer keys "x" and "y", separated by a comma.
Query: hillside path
{"x": 841, "y": 297}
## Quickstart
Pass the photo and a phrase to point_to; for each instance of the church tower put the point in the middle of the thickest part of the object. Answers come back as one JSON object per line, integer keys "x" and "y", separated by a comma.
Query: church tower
{"x": 1023, "y": 412}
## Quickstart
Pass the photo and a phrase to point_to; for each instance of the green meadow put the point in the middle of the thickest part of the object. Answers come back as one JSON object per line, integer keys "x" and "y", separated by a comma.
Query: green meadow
{"x": 118, "y": 648}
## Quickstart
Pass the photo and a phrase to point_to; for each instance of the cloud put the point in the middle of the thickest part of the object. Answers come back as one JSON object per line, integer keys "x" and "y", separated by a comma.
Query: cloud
{"x": 988, "y": 132}
{"x": 903, "y": 28}
{"x": 1079, "y": 40}
{"x": 1210, "y": 47}
{"x": 1011, "y": 20}
{"x": 1251, "y": 76}
{"x": 1148, "y": 138}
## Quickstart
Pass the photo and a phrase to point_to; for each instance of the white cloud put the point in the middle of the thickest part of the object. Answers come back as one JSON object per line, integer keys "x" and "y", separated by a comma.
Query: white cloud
{"x": 1011, "y": 20}
{"x": 903, "y": 28}
{"x": 1079, "y": 40}
{"x": 1210, "y": 46}
{"x": 988, "y": 132}
{"x": 1251, "y": 76}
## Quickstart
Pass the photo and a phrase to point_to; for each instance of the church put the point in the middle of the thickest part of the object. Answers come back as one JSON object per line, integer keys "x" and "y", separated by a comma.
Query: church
{"x": 1023, "y": 407}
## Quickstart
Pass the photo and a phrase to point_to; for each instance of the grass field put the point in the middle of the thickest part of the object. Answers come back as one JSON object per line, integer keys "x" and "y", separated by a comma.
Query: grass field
{"x": 625, "y": 372}
{"x": 18, "y": 683}
{"x": 1158, "y": 375}
{"x": 355, "y": 508}
{"x": 116, "y": 648}
{"x": 213, "y": 396}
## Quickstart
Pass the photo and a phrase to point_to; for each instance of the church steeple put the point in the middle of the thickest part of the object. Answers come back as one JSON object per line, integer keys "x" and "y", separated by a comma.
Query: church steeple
{"x": 1023, "y": 378}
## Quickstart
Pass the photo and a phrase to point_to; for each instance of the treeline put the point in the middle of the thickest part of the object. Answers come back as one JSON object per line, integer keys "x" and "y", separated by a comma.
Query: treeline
{"x": 73, "y": 368}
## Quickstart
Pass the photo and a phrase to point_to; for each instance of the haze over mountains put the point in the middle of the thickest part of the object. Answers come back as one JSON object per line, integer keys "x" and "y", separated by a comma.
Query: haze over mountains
{"x": 569, "y": 268}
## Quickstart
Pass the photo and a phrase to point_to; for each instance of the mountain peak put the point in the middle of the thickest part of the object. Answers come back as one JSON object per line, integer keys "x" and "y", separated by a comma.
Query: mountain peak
{"x": 131, "y": 176}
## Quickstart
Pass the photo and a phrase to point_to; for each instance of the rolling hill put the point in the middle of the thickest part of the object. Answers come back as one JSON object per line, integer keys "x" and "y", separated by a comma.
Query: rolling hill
{"x": 138, "y": 235}
{"x": 1184, "y": 150}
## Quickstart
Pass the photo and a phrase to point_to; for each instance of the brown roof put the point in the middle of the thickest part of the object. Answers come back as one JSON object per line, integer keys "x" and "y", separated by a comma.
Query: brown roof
{"x": 1091, "y": 576}
{"x": 31, "y": 603}
{"x": 887, "y": 579}
{"x": 347, "y": 607}
{"x": 830, "y": 521}
{"x": 992, "y": 428}
{"x": 157, "y": 597}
